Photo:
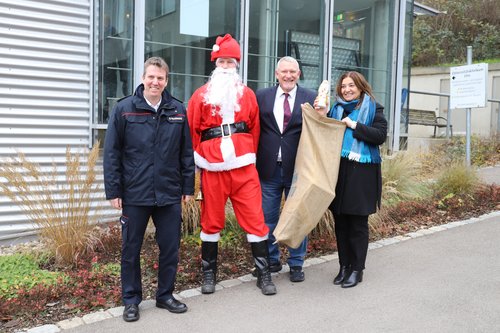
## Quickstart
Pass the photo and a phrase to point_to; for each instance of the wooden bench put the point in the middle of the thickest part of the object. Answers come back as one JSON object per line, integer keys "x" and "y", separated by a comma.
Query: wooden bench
{"x": 427, "y": 118}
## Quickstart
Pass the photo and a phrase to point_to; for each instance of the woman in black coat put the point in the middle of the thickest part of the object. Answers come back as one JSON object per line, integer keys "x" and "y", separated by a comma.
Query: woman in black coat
{"x": 359, "y": 185}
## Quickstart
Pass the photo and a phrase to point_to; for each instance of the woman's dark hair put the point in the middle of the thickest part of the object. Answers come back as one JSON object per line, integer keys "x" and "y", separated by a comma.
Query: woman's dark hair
{"x": 360, "y": 82}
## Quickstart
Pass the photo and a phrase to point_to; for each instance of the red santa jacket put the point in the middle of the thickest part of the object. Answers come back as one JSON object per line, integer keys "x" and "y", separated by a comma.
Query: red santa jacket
{"x": 226, "y": 153}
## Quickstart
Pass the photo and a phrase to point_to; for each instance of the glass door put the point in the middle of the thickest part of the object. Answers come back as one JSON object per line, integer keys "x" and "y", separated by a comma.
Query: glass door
{"x": 114, "y": 52}
{"x": 278, "y": 28}
{"x": 183, "y": 32}
{"x": 362, "y": 38}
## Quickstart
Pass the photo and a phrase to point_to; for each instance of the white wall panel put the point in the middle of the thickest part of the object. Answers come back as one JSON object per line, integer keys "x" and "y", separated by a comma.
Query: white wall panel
{"x": 45, "y": 88}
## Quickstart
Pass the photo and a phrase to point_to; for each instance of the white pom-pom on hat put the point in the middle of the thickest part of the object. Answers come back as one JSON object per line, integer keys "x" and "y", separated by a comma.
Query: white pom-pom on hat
{"x": 225, "y": 47}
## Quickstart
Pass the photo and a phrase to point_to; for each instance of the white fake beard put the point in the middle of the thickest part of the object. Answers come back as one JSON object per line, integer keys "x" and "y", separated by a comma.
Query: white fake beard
{"x": 224, "y": 90}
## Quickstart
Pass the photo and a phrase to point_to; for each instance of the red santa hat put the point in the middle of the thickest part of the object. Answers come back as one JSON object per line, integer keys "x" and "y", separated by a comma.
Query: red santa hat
{"x": 225, "y": 47}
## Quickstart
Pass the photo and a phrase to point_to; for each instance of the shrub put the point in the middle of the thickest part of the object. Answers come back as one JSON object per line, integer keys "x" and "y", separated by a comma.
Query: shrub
{"x": 400, "y": 179}
{"x": 457, "y": 179}
{"x": 232, "y": 236}
{"x": 21, "y": 272}
{"x": 484, "y": 152}
{"x": 60, "y": 205}
{"x": 191, "y": 212}
{"x": 325, "y": 227}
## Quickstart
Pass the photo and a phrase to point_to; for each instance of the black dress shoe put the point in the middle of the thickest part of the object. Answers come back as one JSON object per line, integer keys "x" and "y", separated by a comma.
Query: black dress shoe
{"x": 296, "y": 274}
{"x": 273, "y": 268}
{"x": 353, "y": 279}
{"x": 344, "y": 270}
{"x": 131, "y": 312}
{"x": 172, "y": 305}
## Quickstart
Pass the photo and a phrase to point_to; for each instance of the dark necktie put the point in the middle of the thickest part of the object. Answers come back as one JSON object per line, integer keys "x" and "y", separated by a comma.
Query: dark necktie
{"x": 287, "y": 114}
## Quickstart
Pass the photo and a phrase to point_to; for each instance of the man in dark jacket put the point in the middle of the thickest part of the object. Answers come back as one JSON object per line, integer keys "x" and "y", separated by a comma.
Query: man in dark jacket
{"x": 148, "y": 170}
{"x": 280, "y": 129}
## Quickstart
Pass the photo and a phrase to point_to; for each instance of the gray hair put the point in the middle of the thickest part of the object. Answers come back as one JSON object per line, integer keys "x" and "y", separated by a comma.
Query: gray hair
{"x": 288, "y": 59}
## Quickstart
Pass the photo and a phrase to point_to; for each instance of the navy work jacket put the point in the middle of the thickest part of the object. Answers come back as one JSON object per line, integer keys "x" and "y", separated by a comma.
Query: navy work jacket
{"x": 148, "y": 155}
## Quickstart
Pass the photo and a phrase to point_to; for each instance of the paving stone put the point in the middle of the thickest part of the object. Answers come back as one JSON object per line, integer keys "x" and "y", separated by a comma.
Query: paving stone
{"x": 95, "y": 317}
{"x": 230, "y": 283}
{"x": 388, "y": 241}
{"x": 315, "y": 261}
{"x": 70, "y": 323}
{"x": 437, "y": 228}
{"x": 247, "y": 278}
{"x": 285, "y": 269}
{"x": 374, "y": 245}
{"x": 330, "y": 257}
{"x": 116, "y": 312}
{"x": 148, "y": 304}
{"x": 217, "y": 288}
{"x": 190, "y": 293}
{"x": 44, "y": 329}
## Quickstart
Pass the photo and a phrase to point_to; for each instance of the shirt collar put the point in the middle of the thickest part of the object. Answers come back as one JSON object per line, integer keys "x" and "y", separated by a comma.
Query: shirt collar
{"x": 155, "y": 106}
{"x": 292, "y": 92}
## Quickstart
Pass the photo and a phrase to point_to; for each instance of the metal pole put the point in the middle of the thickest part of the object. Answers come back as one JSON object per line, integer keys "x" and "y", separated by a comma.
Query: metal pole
{"x": 467, "y": 116}
{"x": 448, "y": 120}
{"x": 139, "y": 39}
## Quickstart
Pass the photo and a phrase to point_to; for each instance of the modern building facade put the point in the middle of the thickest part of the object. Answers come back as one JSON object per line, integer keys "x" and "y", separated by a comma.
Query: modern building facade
{"x": 65, "y": 63}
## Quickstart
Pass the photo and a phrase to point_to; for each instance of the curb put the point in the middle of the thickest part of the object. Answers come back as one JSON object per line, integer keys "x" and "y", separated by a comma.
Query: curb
{"x": 186, "y": 294}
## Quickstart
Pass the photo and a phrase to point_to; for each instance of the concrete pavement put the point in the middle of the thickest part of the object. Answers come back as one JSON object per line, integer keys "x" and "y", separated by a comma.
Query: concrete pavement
{"x": 446, "y": 279}
{"x": 442, "y": 279}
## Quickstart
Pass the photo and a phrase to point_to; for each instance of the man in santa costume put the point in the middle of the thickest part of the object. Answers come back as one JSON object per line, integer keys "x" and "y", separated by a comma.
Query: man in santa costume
{"x": 224, "y": 121}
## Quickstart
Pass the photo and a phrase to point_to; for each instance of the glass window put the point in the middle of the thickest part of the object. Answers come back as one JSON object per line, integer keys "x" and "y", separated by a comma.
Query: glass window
{"x": 174, "y": 34}
{"x": 362, "y": 41}
{"x": 279, "y": 28}
{"x": 184, "y": 31}
{"x": 114, "y": 54}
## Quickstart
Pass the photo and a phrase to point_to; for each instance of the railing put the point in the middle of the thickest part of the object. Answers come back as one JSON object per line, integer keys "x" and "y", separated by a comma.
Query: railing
{"x": 448, "y": 118}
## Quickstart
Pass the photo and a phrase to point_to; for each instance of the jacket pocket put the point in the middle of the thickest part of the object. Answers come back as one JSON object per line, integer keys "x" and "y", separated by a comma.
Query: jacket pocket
{"x": 137, "y": 118}
{"x": 124, "y": 221}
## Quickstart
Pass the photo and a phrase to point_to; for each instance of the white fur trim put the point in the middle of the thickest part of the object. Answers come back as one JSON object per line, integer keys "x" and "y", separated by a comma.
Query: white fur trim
{"x": 234, "y": 163}
{"x": 256, "y": 239}
{"x": 215, "y": 48}
{"x": 209, "y": 237}
{"x": 227, "y": 149}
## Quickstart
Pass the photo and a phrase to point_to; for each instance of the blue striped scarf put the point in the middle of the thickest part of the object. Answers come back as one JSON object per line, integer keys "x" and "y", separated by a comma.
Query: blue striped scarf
{"x": 352, "y": 148}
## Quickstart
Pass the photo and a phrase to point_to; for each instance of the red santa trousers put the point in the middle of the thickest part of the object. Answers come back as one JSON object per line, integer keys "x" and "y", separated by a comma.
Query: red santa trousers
{"x": 242, "y": 186}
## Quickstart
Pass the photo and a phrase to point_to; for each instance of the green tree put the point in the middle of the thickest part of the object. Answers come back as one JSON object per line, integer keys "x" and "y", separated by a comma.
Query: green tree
{"x": 444, "y": 38}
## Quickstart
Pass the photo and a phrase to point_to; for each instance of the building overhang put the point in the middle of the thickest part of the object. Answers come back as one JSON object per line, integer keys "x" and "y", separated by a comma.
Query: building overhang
{"x": 421, "y": 10}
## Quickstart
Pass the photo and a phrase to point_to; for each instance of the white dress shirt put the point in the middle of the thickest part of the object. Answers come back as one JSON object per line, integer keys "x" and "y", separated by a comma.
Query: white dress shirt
{"x": 278, "y": 108}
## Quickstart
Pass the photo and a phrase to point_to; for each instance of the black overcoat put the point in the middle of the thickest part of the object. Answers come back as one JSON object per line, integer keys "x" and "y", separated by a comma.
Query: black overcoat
{"x": 359, "y": 185}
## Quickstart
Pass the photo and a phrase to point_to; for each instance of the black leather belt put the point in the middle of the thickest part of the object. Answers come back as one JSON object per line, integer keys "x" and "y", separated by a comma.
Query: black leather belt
{"x": 224, "y": 130}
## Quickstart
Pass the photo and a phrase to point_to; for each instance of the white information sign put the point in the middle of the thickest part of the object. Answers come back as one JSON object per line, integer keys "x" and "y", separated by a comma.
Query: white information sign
{"x": 468, "y": 86}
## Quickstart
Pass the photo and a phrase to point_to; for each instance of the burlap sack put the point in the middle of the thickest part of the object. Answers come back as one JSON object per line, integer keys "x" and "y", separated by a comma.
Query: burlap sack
{"x": 314, "y": 178}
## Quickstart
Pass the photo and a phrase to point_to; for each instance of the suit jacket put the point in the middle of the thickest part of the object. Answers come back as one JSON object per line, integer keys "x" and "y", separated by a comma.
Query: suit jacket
{"x": 270, "y": 136}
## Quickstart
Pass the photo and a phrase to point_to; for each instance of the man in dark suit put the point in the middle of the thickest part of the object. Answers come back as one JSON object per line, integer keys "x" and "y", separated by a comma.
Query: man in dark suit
{"x": 280, "y": 129}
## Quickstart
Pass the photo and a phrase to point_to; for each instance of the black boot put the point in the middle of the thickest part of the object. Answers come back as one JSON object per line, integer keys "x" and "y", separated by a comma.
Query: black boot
{"x": 260, "y": 254}
{"x": 344, "y": 271}
{"x": 209, "y": 266}
{"x": 353, "y": 279}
